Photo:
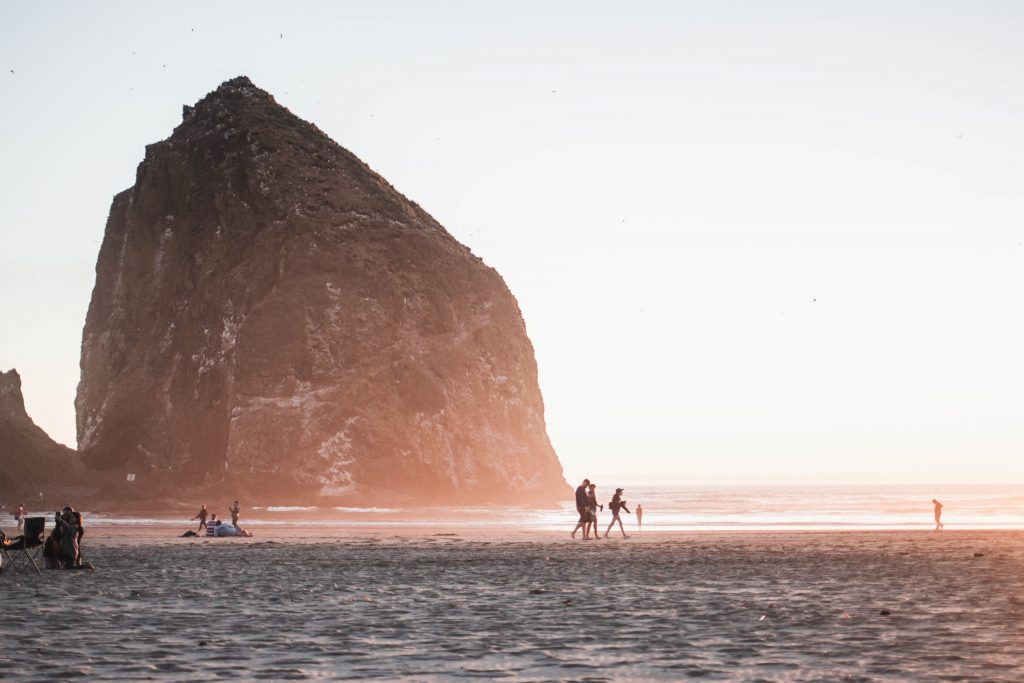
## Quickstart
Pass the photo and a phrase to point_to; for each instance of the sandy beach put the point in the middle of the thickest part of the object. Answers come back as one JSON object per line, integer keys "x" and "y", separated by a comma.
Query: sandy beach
{"x": 436, "y": 604}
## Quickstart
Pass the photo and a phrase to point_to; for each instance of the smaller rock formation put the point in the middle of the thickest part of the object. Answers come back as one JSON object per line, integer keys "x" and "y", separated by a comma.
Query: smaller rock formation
{"x": 29, "y": 458}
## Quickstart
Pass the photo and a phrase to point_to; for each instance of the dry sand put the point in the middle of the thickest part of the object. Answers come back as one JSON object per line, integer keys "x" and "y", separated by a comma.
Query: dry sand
{"x": 436, "y": 604}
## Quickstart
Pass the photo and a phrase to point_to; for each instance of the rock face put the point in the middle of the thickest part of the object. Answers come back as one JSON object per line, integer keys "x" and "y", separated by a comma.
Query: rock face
{"x": 29, "y": 458}
{"x": 271, "y": 316}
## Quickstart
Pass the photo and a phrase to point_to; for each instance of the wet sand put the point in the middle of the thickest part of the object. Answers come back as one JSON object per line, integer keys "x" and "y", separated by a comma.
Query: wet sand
{"x": 436, "y": 604}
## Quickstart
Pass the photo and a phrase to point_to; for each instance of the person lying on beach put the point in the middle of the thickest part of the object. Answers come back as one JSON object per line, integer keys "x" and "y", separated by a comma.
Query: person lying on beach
{"x": 225, "y": 529}
{"x": 615, "y": 505}
{"x": 592, "y": 512}
{"x": 581, "y": 508}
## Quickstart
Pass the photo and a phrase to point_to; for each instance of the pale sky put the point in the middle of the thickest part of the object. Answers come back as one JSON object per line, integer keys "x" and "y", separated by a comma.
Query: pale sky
{"x": 752, "y": 241}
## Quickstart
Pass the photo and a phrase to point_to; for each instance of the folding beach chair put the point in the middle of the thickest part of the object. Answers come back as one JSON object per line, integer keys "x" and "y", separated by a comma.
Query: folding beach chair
{"x": 24, "y": 550}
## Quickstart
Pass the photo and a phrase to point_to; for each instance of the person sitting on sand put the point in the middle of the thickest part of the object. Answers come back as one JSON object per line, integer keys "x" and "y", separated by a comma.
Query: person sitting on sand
{"x": 938, "y": 515}
{"x": 211, "y": 526}
{"x": 201, "y": 516}
{"x": 581, "y": 508}
{"x": 615, "y": 505}
{"x": 52, "y": 545}
{"x": 592, "y": 512}
{"x": 639, "y": 517}
{"x": 69, "y": 539}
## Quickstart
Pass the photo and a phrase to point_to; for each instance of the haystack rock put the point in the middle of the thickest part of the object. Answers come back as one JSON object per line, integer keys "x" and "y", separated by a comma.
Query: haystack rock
{"x": 271, "y": 317}
{"x": 29, "y": 458}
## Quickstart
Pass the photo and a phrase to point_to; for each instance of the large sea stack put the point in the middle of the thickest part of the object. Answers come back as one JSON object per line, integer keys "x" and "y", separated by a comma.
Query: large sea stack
{"x": 271, "y": 317}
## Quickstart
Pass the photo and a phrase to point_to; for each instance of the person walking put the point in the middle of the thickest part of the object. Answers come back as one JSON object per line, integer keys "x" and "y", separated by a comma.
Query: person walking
{"x": 69, "y": 528}
{"x": 938, "y": 515}
{"x": 234, "y": 510}
{"x": 592, "y": 512}
{"x": 615, "y": 505}
{"x": 201, "y": 516}
{"x": 19, "y": 517}
{"x": 581, "y": 508}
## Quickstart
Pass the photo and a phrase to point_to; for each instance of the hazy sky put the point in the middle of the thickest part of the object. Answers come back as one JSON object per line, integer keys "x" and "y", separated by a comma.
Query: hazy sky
{"x": 752, "y": 241}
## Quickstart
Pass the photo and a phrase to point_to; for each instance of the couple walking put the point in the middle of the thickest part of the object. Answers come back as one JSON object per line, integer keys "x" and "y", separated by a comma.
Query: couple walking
{"x": 587, "y": 505}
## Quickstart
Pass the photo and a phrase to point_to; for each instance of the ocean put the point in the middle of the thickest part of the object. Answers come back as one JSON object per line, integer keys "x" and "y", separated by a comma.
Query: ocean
{"x": 694, "y": 508}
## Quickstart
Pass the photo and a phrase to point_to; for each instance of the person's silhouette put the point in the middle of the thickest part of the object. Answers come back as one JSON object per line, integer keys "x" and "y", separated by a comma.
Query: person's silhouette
{"x": 581, "y": 507}
{"x": 938, "y": 515}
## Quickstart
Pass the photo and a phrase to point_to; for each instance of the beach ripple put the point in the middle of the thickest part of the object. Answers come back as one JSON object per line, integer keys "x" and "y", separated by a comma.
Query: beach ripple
{"x": 748, "y": 607}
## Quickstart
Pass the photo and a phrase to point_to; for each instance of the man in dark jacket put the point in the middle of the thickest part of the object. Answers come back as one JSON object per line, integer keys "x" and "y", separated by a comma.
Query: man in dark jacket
{"x": 581, "y": 507}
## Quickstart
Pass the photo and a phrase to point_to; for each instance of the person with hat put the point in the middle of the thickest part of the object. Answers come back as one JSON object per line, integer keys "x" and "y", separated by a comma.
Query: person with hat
{"x": 616, "y": 504}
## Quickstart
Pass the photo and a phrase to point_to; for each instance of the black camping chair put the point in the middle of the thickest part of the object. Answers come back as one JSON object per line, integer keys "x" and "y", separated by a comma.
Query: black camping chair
{"x": 23, "y": 550}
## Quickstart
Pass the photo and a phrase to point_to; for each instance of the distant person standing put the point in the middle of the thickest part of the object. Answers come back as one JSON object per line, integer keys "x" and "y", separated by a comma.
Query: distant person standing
{"x": 201, "y": 517}
{"x": 581, "y": 507}
{"x": 639, "y": 517}
{"x": 19, "y": 516}
{"x": 938, "y": 515}
{"x": 234, "y": 510}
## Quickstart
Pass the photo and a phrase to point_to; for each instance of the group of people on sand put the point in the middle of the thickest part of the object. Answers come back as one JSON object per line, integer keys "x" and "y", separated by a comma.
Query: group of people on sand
{"x": 62, "y": 549}
{"x": 587, "y": 506}
{"x": 209, "y": 525}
